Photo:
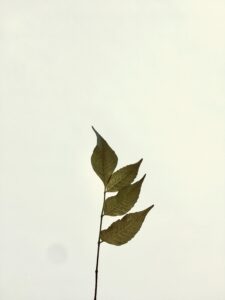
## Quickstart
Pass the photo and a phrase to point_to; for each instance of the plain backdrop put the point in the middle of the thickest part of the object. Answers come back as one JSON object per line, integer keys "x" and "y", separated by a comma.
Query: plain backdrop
{"x": 149, "y": 75}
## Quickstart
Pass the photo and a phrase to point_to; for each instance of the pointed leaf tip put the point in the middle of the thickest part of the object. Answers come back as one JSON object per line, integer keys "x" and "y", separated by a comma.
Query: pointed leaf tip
{"x": 150, "y": 207}
{"x": 143, "y": 178}
{"x": 95, "y": 131}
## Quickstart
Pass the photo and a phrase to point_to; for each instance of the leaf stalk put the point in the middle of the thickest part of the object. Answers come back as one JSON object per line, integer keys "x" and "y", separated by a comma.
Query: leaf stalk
{"x": 98, "y": 247}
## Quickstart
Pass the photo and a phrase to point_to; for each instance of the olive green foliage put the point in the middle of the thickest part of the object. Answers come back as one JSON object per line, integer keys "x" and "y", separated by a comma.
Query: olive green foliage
{"x": 123, "y": 230}
{"x": 124, "y": 200}
{"x": 104, "y": 161}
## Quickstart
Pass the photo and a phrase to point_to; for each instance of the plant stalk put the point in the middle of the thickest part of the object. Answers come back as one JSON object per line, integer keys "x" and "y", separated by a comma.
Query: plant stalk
{"x": 98, "y": 247}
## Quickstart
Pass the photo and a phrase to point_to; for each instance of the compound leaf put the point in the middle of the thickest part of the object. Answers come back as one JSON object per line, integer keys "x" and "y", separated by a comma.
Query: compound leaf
{"x": 123, "y": 177}
{"x": 103, "y": 159}
{"x": 123, "y": 230}
{"x": 125, "y": 199}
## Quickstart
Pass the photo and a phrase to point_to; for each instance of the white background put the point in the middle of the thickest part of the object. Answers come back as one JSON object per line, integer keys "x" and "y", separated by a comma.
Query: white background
{"x": 149, "y": 75}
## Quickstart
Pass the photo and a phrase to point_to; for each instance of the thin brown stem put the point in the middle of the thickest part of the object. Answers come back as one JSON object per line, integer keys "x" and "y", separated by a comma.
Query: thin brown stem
{"x": 98, "y": 248}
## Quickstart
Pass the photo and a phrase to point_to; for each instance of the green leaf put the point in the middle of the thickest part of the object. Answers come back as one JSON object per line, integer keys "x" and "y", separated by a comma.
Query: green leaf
{"x": 123, "y": 177}
{"x": 103, "y": 159}
{"x": 123, "y": 230}
{"x": 121, "y": 203}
